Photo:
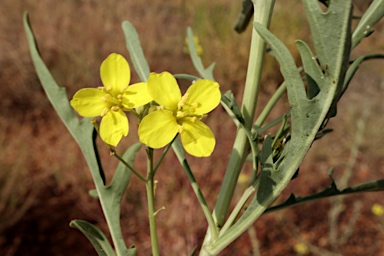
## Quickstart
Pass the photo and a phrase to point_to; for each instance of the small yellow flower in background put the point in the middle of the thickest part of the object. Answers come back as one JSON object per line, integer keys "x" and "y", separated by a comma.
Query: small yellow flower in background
{"x": 199, "y": 48}
{"x": 301, "y": 248}
{"x": 243, "y": 178}
{"x": 378, "y": 210}
{"x": 112, "y": 100}
{"x": 180, "y": 114}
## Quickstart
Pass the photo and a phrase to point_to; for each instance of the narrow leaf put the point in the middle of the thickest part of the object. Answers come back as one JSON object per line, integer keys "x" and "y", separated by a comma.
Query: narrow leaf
{"x": 95, "y": 236}
{"x": 205, "y": 73}
{"x": 374, "y": 13}
{"x": 314, "y": 75}
{"x": 135, "y": 51}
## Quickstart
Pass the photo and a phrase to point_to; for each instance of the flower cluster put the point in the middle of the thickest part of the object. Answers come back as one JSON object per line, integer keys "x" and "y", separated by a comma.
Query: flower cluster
{"x": 173, "y": 113}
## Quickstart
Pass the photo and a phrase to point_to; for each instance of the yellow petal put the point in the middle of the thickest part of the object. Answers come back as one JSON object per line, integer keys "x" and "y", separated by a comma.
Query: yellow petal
{"x": 88, "y": 102}
{"x": 164, "y": 90}
{"x": 158, "y": 128}
{"x": 136, "y": 95}
{"x": 115, "y": 73}
{"x": 197, "y": 139}
{"x": 206, "y": 93}
{"x": 113, "y": 126}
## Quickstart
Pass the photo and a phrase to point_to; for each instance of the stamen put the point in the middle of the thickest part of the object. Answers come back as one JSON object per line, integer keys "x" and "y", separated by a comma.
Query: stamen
{"x": 104, "y": 112}
{"x": 181, "y": 103}
{"x": 115, "y": 108}
{"x": 180, "y": 114}
{"x": 108, "y": 89}
{"x": 120, "y": 97}
{"x": 105, "y": 98}
{"x": 195, "y": 104}
{"x": 181, "y": 129}
{"x": 193, "y": 119}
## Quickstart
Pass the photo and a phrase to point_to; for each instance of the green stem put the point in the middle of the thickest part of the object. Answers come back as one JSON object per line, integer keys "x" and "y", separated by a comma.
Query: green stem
{"x": 178, "y": 149}
{"x": 239, "y": 206}
{"x": 128, "y": 166}
{"x": 263, "y": 11}
{"x": 163, "y": 155}
{"x": 151, "y": 203}
{"x": 270, "y": 105}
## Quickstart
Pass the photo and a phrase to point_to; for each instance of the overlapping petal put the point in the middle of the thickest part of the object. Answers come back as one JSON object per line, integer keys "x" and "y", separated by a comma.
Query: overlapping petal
{"x": 206, "y": 93}
{"x": 115, "y": 73}
{"x": 197, "y": 138}
{"x": 164, "y": 90}
{"x": 158, "y": 128}
{"x": 87, "y": 102}
{"x": 113, "y": 126}
{"x": 136, "y": 95}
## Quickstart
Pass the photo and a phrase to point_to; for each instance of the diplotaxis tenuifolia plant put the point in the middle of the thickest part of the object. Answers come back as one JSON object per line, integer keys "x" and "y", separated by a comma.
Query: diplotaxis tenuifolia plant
{"x": 169, "y": 119}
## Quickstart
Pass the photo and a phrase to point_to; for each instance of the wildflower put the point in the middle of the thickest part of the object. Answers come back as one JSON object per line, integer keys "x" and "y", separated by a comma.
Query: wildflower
{"x": 301, "y": 249}
{"x": 378, "y": 210}
{"x": 199, "y": 48}
{"x": 112, "y": 100}
{"x": 180, "y": 114}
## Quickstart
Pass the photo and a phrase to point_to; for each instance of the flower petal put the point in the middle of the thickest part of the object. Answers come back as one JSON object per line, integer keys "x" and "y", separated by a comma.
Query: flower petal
{"x": 115, "y": 73}
{"x": 136, "y": 95}
{"x": 164, "y": 90}
{"x": 158, "y": 128}
{"x": 113, "y": 126}
{"x": 88, "y": 102}
{"x": 206, "y": 93}
{"x": 197, "y": 138}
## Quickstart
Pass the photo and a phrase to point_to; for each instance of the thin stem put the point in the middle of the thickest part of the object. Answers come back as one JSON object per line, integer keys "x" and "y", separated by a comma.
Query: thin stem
{"x": 195, "y": 186}
{"x": 128, "y": 166}
{"x": 151, "y": 203}
{"x": 163, "y": 155}
{"x": 240, "y": 204}
{"x": 270, "y": 105}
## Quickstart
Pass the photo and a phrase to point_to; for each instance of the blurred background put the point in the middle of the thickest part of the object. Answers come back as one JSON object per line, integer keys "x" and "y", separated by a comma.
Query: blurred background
{"x": 44, "y": 180}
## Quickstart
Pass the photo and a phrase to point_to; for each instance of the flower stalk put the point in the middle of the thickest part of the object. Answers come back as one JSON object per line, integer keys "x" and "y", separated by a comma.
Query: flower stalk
{"x": 151, "y": 203}
{"x": 263, "y": 12}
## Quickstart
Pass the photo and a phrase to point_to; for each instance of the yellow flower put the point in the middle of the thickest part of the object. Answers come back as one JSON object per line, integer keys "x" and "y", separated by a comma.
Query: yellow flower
{"x": 180, "y": 114}
{"x": 199, "y": 48}
{"x": 301, "y": 248}
{"x": 378, "y": 210}
{"x": 112, "y": 100}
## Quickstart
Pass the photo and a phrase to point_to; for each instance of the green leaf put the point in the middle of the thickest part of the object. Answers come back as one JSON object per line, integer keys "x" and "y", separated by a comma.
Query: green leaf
{"x": 82, "y": 133}
{"x": 332, "y": 38}
{"x": 135, "y": 51}
{"x": 205, "y": 73}
{"x": 314, "y": 75}
{"x": 95, "y": 236}
{"x": 267, "y": 168}
{"x": 374, "y": 13}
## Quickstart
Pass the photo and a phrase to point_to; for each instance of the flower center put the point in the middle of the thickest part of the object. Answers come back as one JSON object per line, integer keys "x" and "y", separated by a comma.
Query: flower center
{"x": 112, "y": 100}
{"x": 114, "y": 103}
{"x": 185, "y": 109}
